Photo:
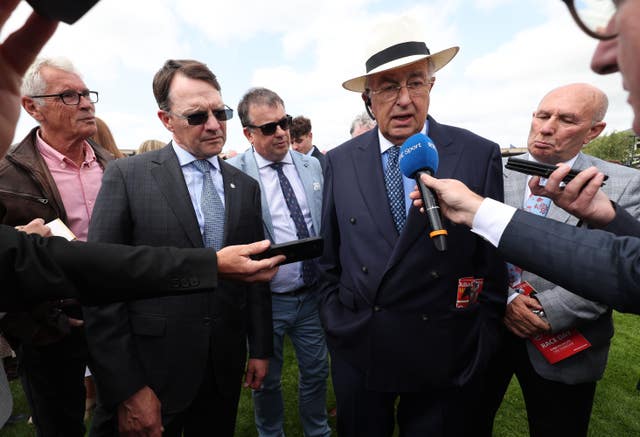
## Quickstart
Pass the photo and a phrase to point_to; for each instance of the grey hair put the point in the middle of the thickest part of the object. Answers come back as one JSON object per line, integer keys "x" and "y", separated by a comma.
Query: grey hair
{"x": 362, "y": 119}
{"x": 34, "y": 84}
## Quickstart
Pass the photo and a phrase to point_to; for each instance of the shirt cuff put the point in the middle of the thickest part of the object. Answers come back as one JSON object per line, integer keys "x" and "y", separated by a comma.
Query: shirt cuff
{"x": 492, "y": 219}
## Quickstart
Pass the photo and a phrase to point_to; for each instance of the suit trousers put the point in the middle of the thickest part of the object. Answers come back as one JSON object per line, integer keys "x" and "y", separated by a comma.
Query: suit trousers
{"x": 211, "y": 414}
{"x": 432, "y": 412}
{"x": 297, "y": 317}
{"x": 553, "y": 408}
{"x": 52, "y": 378}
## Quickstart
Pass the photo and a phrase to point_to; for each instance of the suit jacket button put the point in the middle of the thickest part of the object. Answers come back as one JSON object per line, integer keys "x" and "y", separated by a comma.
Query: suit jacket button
{"x": 365, "y": 269}
{"x": 194, "y": 282}
{"x": 175, "y": 283}
{"x": 434, "y": 274}
{"x": 352, "y": 220}
{"x": 376, "y": 308}
{"x": 424, "y": 317}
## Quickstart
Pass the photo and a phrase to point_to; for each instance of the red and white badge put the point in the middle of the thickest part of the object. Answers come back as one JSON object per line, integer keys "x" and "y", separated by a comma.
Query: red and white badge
{"x": 468, "y": 291}
{"x": 557, "y": 347}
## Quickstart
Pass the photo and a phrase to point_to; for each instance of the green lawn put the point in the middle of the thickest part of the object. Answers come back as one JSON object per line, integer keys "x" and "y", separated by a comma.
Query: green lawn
{"x": 616, "y": 411}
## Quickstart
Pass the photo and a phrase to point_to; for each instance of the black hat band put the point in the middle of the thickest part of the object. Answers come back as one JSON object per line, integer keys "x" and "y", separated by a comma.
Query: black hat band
{"x": 397, "y": 51}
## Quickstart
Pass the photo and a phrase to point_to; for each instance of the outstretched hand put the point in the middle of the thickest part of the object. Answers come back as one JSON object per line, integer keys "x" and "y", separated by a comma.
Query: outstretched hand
{"x": 17, "y": 53}
{"x": 581, "y": 197}
{"x": 457, "y": 202}
{"x": 235, "y": 262}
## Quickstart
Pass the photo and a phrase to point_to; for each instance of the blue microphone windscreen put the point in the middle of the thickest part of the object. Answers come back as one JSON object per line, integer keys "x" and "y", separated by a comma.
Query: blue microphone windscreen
{"x": 418, "y": 153}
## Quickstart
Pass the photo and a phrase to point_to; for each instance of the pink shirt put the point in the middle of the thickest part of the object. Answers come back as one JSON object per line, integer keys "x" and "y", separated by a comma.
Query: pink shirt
{"x": 78, "y": 186}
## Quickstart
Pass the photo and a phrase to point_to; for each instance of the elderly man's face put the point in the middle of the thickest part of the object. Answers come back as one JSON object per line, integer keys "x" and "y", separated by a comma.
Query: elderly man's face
{"x": 189, "y": 96}
{"x": 623, "y": 53}
{"x": 60, "y": 122}
{"x": 563, "y": 124}
{"x": 405, "y": 115}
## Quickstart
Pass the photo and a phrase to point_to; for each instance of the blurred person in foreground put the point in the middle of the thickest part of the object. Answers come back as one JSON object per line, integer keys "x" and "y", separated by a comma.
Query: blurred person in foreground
{"x": 396, "y": 332}
{"x": 600, "y": 264}
{"x": 178, "y": 361}
{"x": 558, "y": 387}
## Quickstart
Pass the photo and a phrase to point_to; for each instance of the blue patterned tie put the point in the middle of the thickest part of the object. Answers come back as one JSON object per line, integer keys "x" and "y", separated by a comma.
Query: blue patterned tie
{"x": 395, "y": 188}
{"x": 537, "y": 205}
{"x": 296, "y": 215}
{"x": 212, "y": 208}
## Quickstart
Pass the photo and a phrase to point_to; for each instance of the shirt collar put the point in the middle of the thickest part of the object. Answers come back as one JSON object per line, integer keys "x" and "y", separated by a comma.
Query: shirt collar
{"x": 47, "y": 151}
{"x": 262, "y": 163}
{"x": 185, "y": 158}
{"x": 385, "y": 144}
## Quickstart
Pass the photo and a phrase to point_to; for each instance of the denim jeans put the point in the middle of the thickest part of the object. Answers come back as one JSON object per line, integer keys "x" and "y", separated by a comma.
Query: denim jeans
{"x": 296, "y": 316}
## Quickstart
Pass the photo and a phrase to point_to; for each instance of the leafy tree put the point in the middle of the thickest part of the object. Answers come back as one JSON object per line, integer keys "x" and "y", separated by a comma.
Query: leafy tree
{"x": 617, "y": 147}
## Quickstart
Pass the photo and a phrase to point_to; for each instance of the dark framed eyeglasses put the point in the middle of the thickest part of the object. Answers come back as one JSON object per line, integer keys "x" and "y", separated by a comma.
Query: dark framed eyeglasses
{"x": 269, "y": 129}
{"x": 201, "y": 117}
{"x": 71, "y": 97}
{"x": 593, "y": 16}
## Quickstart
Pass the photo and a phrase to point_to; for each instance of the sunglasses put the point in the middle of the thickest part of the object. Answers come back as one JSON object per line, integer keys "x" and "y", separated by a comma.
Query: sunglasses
{"x": 198, "y": 118}
{"x": 270, "y": 128}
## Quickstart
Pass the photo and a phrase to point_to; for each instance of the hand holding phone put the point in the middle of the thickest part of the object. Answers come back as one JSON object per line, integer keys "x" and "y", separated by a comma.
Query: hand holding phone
{"x": 539, "y": 169}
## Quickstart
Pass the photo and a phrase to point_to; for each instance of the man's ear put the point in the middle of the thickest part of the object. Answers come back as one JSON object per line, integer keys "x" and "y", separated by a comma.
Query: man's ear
{"x": 594, "y": 131}
{"x": 165, "y": 119}
{"x": 29, "y": 104}
{"x": 248, "y": 134}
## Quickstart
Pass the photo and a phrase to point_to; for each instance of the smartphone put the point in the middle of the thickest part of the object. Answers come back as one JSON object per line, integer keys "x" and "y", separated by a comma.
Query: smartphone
{"x": 68, "y": 11}
{"x": 539, "y": 169}
{"x": 296, "y": 250}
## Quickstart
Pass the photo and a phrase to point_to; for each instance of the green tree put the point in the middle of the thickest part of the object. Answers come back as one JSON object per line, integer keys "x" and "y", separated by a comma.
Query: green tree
{"x": 616, "y": 146}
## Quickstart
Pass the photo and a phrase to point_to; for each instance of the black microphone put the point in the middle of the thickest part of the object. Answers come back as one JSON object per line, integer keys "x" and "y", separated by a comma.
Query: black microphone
{"x": 418, "y": 155}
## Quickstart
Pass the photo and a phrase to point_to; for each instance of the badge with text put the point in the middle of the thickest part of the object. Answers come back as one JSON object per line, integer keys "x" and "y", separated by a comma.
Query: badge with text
{"x": 557, "y": 347}
{"x": 468, "y": 291}
{"x": 524, "y": 288}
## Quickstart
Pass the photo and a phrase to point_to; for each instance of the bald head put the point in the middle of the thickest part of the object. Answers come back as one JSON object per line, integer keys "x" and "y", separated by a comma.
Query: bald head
{"x": 567, "y": 118}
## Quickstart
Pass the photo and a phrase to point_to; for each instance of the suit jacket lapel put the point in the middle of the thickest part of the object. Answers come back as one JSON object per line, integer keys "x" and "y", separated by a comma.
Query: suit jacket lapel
{"x": 370, "y": 178}
{"x": 312, "y": 188}
{"x": 170, "y": 180}
{"x": 249, "y": 165}
{"x": 232, "y": 209}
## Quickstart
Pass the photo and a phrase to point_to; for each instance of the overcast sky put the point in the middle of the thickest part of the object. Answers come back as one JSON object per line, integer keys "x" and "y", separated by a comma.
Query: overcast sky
{"x": 512, "y": 53}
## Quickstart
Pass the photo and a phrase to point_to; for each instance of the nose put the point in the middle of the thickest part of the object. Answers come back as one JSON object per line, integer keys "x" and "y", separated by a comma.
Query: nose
{"x": 548, "y": 126}
{"x": 403, "y": 96}
{"x": 85, "y": 102}
{"x": 605, "y": 57}
{"x": 212, "y": 122}
{"x": 280, "y": 132}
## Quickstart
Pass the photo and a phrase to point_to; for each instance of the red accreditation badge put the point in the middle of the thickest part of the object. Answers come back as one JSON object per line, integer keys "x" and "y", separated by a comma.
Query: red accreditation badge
{"x": 524, "y": 288}
{"x": 468, "y": 291}
{"x": 557, "y": 347}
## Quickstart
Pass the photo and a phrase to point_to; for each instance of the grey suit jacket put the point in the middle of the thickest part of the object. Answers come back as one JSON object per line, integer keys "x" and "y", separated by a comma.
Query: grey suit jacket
{"x": 563, "y": 308}
{"x": 165, "y": 343}
{"x": 310, "y": 173}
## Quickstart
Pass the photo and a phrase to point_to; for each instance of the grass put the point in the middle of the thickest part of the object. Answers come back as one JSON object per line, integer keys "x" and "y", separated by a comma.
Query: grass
{"x": 615, "y": 412}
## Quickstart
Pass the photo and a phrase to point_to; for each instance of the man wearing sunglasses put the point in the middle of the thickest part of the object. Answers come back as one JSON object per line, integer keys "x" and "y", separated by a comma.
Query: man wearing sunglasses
{"x": 179, "y": 360}
{"x": 291, "y": 186}
{"x": 54, "y": 173}
{"x": 601, "y": 266}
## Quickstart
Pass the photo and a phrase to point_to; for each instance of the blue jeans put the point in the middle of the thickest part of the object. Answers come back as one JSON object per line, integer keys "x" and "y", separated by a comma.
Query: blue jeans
{"x": 296, "y": 316}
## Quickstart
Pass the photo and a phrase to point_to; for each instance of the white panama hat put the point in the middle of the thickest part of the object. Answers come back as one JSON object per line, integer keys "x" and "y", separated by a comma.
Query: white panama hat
{"x": 396, "y": 45}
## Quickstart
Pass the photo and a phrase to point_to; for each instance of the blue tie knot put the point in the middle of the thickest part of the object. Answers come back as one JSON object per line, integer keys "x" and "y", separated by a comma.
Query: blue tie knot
{"x": 203, "y": 165}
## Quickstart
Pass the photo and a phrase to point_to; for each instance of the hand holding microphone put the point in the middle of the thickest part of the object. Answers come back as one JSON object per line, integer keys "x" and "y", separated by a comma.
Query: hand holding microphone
{"x": 418, "y": 155}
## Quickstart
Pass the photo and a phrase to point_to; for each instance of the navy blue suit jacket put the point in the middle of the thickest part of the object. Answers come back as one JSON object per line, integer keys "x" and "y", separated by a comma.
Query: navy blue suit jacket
{"x": 388, "y": 304}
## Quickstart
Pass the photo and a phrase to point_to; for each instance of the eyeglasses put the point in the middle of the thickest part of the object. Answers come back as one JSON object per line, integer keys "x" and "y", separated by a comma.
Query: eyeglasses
{"x": 269, "y": 129}
{"x": 391, "y": 92}
{"x": 201, "y": 117}
{"x": 72, "y": 97}
{"x": 593, "y": 16}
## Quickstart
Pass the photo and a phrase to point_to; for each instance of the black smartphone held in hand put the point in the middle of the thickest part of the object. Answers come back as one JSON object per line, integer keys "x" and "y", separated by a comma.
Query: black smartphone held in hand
{"x": 538, "y": 169}
{"x": 68, "y": 11}
{"x": 296, "y": 250}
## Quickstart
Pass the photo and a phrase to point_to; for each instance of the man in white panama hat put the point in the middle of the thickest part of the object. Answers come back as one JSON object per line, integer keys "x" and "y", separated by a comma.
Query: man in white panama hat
{"x": 390, "y": 308}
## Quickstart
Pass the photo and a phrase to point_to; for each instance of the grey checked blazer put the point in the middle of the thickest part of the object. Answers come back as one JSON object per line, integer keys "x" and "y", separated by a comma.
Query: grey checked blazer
{"x": 563, "y": 308}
